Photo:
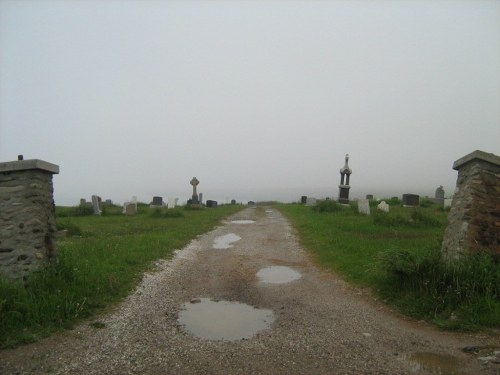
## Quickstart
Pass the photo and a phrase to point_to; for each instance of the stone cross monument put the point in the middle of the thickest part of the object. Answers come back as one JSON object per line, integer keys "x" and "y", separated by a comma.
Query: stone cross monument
{"x": 344, "y": 186}
{"x": 194, "y": 182}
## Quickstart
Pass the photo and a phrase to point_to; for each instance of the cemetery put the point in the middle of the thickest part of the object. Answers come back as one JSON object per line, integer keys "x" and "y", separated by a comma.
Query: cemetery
{"x": 390, "y": 245}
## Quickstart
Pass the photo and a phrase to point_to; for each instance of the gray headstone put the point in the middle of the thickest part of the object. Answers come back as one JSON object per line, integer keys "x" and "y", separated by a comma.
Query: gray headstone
{"x": 83, "y": 202}
{"x": 95, "y": 205}
{"x": 211, "y": 203}
{"x": 157, "y": 201}
{"x": 364, "y": 206}
{"x": 411, "y": 200}
{"x": 439, "y": 195}
{"x": 369, "y": 197}
{"x": 303, "y": 199}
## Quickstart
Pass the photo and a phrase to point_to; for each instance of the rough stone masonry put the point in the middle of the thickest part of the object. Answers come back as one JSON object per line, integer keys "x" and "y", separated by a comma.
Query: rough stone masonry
{"x": 474, "y": 218}
{"x": 27, "y": 217}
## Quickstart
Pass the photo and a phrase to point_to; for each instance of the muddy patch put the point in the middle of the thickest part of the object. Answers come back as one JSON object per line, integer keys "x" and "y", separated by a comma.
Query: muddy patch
{"x": 438, "y": 364}
{"x": 225, "y": 241}
{"x": 223, "y": 320}
{"x": 278, "y": 275}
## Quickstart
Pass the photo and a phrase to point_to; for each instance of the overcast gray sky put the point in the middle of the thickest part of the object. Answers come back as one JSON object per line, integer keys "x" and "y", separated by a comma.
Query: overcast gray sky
{"x": 257, "y": 99}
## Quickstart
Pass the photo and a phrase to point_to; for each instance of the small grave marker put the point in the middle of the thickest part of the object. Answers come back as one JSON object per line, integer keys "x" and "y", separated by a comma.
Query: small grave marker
{"x": 364, "y": 206}
{"x": 411, "y": 200}
{"x": 383, "y": 206}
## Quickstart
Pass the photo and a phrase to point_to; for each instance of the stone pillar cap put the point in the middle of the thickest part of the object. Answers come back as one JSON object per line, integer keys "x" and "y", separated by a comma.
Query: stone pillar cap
{"x": 21, "y": 165}
{"x": 477, "y": 155}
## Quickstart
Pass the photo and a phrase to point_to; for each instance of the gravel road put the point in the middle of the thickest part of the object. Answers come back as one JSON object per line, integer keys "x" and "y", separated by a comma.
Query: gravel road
{"x": 321, "y": 324}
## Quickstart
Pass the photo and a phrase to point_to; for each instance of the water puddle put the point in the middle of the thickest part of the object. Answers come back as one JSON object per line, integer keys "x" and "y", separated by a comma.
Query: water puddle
{"x": 223, "y": 320}
{"x": 242, "y": 221}
{"x": 224, "y": 242}
{"x": 278, "y": 275}
{"x": 437, "y": 364}
{"x": 269, "y": 211}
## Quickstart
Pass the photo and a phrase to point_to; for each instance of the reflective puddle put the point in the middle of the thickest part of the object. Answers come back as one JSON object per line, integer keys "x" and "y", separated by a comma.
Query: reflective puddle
{"x": 278, "y": 275}
{"x": 269, "y": 211}
{"x": 438, "y": 364}
{"x": 223, "y": 320}
{"x": 224, "y": 242}
{"x": 242, "y": 221}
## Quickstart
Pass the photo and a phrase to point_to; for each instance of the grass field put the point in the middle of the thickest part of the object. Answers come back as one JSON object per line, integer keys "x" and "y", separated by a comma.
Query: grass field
{"x": 397, "y": 256}
{"x": 99, "y": 263}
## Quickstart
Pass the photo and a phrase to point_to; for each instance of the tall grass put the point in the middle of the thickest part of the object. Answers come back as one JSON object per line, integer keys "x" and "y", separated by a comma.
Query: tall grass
{"x": 99, "y": 264}
{"x": 397, "y": 255}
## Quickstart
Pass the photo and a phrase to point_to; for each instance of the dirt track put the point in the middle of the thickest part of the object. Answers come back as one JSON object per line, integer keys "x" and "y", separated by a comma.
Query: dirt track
{"x": 321, "y": 326}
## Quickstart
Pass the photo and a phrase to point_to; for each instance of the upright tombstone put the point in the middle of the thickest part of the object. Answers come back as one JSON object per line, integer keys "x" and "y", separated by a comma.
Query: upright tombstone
{"x": 200, "y": 198}
{"x": 447, "y": 202}
{"x": 439, "y": 195}
{"x": 369, "y": 197}
{"x": 344, "y": 186}
{"x": 172, "y": 202}
{"x": 303, "y": 199}
{"x": 411, "y": 200}
{"x": 474, "y": 218}
{"x": 211, "y": 203}
{"x": 157, "y": 201}
{"x": 83, "y": 202}
{"x": 364, "y": 206}
{"x": 233, "y": 201}
{"x": 95, "y": 205}
{"x": 27, "y": 217}
{"x": 194, "y": 183}
{"x": 130, "y": 208}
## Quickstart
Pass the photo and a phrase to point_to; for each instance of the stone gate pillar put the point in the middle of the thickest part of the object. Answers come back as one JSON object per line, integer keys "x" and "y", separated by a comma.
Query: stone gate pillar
{"x": 474, "y": 218}
{"x": 27, "y": 217}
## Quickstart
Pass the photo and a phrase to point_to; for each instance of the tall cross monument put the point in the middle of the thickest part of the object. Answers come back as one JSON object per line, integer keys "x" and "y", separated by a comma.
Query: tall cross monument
{"x": 194, "y": 182}
{"x": 344, "y": 186}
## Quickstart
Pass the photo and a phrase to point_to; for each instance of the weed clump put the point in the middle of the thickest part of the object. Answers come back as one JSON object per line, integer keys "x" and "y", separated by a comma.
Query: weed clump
{"x": 417, "y": 218}
{"x": 165, "y": 213}
{"x": 74, "y": 211}
{"x": 328, "y": 206}
{"x": 463, "y": 294}
{"x": 73, "y": 229}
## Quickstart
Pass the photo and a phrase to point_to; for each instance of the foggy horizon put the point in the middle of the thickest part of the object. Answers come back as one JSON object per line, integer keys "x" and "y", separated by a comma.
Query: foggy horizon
{"x": 260, "y": 100}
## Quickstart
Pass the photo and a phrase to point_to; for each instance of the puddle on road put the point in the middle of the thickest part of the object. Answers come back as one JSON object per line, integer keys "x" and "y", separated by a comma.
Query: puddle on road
{"x": 437, "y": 364}
{"x": 278, "y": 275}
{"x": 242, "y": 221}
{"x": 225, "y": 242}
{"x": 269, "y": 211}
{"x": 224, "y": 320}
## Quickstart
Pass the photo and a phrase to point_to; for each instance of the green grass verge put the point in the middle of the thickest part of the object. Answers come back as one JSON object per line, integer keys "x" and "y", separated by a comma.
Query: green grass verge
{"x": 397, "y": 255}
{"x": 100, "y": 262}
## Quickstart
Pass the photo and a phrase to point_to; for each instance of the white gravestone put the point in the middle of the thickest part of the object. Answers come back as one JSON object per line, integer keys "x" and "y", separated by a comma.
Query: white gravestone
{"x": 383, "y": 206}
{"x": 95, "y": 205}
{"x": 172, "y": 202}
{"x": 447, "y": 202}
{"x": 130, "y": 208}
{"x": 364, "y": 206}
